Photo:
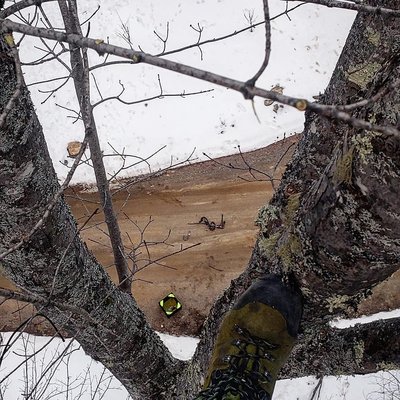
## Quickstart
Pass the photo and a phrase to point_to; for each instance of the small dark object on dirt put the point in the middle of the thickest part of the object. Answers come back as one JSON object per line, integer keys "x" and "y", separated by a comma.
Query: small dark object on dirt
{"x": 212, "y": 225}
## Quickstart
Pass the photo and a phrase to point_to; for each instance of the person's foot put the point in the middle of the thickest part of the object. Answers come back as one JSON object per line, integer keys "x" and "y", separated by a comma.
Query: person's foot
{"x": 254, "y": 341}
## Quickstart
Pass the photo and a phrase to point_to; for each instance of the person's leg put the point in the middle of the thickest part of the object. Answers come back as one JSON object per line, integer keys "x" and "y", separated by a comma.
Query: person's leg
{"x": 254, "y": 341}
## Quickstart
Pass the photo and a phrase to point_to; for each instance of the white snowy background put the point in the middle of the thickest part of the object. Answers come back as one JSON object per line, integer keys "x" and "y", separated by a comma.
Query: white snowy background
{"x": 305, "y": 48}
{"x": 303, "y": 55}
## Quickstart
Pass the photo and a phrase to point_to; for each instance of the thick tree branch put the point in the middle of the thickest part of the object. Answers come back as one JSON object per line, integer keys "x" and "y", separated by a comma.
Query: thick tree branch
{"x": 338, "y": 282}
{"x": 120, "y": 337}
{"x": 242, "y": 87}
{"x": 361, "y": 349}
{"x": 35, "y": 299}
{"x": 20, "y": 5}
{"x": 355, "y": 6}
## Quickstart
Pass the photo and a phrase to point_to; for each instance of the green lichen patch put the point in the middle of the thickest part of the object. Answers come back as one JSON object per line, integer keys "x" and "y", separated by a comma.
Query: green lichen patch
{"x": 267, "y": 245}
{"x": 344, "y": 168}
{"x": 293, "y": 204}
{"x": 362, "y": 74}
{"x": 338, "y": 302}
{"x": 267, "y": 214}
{"x": 363, "y": 145}
{"x": 288, "y": 251}
{"x": 359, "y": 353}
{"x": 374, "y": 37}
{"x": 387, "y": 366}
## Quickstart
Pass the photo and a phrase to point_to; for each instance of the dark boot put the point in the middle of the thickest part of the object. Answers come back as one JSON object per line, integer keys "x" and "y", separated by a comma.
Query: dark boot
{"x": 254, "y": 341}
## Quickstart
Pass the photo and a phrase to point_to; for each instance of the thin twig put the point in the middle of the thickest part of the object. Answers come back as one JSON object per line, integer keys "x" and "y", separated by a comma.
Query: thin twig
{"x": 267, "y": 51}
{"x": 242, "y": 87}
{"x": 163, "y": 40}
{"x": 82, "y": 88}
{"x": 317, "y": 390}
{"x": 36, "y": 299}
{"x": 161, "y": 95}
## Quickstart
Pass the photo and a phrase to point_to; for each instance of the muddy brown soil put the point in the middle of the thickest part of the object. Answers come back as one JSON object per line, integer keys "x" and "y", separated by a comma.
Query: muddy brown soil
{"x": 162, "y": 214}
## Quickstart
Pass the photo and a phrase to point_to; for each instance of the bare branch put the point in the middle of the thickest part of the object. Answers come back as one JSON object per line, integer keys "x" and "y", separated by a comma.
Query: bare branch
{"x": 355, "y": 6}
{"x": 48, "y": 23}
{"x": 199, "y": 30}
{"x": 200, "y": 43}
{"x": 161, "y": 95}
{"x": 242, "y": 87}
{"x": 250, "y": 18}
{"x": 126, "y": 156}
{"x": 267, "y": 51}
{"x": 229, "y": 35}
{"x": 252, "y": 171}
{"x": 91, "y": 15}
{"x": 78, "y": 113}
{"x": 52, "y": 91}
{"x": 137, "y": 180}
{"x": 80, "y": 76}
{"x": 126, "y": 34}
{"x": 163, "y": 40}
{"x": 20, "y": 6}
{"x": 36, "y": 299}
{"x": 157, "y": 260}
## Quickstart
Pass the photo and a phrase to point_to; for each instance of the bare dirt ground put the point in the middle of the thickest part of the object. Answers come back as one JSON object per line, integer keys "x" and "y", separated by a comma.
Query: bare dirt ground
{"x": 163, "y": 214}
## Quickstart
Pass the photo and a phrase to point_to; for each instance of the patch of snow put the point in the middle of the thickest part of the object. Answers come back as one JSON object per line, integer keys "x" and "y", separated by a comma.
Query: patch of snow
{"x": 181, "y": 347}
{"x": 305, "y": 49}
{"x": 348, "y": 323}
{"x": 56, "y": 367}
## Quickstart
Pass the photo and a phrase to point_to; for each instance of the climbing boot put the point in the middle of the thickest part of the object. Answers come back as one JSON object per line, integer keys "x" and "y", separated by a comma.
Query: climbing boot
{"x": 254, "y": 341}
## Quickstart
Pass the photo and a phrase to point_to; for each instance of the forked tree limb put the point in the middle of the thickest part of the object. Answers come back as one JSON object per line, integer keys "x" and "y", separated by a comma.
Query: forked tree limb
{"x": 119, "y": 334}
{"x": 248, "y": 91}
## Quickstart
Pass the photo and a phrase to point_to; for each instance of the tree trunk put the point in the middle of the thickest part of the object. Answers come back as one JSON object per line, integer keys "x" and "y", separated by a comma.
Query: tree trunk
{"x": 116, "y": 332}
{"x": 332, "y": 228}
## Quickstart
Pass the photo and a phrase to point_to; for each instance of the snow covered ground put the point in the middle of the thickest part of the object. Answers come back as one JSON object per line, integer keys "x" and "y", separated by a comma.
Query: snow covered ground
{"x": 75, "y": 376}
{"x": 305, "y": 48}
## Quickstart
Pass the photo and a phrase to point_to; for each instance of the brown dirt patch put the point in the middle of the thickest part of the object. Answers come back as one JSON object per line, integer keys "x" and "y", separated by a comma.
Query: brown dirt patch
{"x": 172, "y": 202}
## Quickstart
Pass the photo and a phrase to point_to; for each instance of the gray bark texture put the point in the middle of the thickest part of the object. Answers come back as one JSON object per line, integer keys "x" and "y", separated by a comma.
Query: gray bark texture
{"x": 117, "y": 332}
{"x": 332, "y": 229}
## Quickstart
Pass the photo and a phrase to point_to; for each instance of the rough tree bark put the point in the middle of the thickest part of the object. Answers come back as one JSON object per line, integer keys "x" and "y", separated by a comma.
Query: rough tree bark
{"x": 116, "y": 332}
{"x": 332, "y": 228}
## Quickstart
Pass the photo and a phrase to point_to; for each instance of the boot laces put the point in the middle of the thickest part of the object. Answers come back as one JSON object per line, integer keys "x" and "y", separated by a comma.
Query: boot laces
{"x": 252, "y": 350}
{"x": 245, "y": 370}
